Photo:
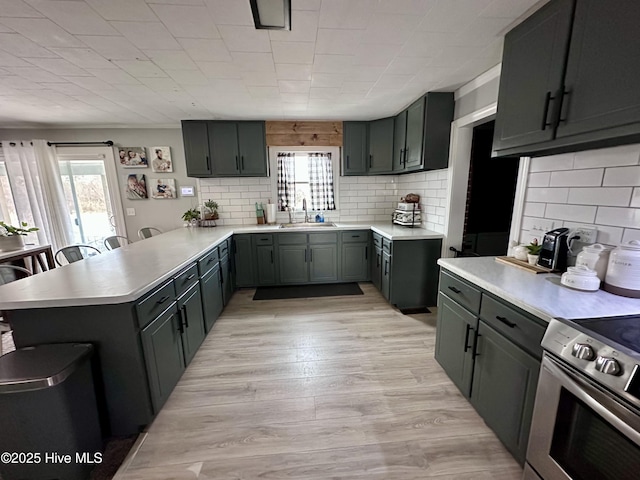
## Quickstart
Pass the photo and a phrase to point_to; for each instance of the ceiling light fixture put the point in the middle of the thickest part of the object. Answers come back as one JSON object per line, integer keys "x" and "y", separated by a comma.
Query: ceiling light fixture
{"x": 271, "y": 14}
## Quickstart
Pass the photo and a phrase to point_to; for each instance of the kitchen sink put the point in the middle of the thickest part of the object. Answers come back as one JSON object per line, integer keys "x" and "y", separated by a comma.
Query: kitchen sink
{"x": 307, "y": 225}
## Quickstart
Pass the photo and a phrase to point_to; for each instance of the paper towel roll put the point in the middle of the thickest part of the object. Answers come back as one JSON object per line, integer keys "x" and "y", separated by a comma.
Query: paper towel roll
{"x": 270, "y": 212}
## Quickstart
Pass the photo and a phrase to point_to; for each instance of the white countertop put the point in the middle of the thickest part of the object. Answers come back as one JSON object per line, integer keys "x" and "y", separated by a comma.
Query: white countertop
{"x": 127, "y": 273}
{"x": 541, "y": 295}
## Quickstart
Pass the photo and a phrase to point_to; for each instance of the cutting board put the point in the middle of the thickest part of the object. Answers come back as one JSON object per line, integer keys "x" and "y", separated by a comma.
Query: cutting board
{"x": 514, "y": 262}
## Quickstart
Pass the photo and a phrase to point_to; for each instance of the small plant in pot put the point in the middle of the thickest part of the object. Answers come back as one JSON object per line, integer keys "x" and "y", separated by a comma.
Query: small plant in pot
{"x": 12, "y": 238}
{"x": 534, "y": 251}
{"x": 191, "y": 216}
{"x": 211, "y": 212}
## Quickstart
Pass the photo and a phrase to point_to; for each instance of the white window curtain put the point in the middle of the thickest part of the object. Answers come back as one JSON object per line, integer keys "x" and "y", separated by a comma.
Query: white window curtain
{"x": 321, "y": 181}
{"x": 38, "y": 194}
{"x": 286, "y": 178}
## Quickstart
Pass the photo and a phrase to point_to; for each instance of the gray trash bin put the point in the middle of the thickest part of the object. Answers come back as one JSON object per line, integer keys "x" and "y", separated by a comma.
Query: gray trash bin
{"x": 49, "y": 425}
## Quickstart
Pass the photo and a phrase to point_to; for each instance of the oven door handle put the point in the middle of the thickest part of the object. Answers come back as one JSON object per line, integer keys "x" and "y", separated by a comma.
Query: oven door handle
{"x": 595, "y": 399}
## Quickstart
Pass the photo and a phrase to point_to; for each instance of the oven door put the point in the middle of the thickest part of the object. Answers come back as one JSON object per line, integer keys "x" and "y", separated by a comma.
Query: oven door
{"x": 580, "y": 431}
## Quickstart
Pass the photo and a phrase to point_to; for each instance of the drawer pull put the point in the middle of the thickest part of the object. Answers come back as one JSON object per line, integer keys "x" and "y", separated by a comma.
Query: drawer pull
{"x": 163, "y": 299}
{"x": 505, "y": 321}
{"x": 190, "y": 277}
{"x": 355, "y": 236}
{"x": 454, "y": 289}
{"x": 264, "y": 239}
{"x": 210, "y": 260}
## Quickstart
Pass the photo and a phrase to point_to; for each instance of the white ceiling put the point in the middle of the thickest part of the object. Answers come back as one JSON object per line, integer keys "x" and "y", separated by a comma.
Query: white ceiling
{"x": 155, "y": 62}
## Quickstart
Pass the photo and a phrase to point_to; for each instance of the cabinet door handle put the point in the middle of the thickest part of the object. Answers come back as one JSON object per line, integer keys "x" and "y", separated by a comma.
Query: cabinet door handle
{"x": 386, "y": 267}
{"x": 242, "y": 162}
{"x": 366, "y": 253}
{"x": 545, "y": 112}
{"x": 505, "y": 321}
{"x": 466, "y": 338}
{"x": 454, "y": 289}
{"x": 180, "y": 325}
{"x": 163, "y": 299}
{"x": 184, "y": 317}
{"x": 237, "y": 164}
{"x": 370, "y": 160}
{"x": 271, "y": 256}
{"x": 190, "y": 277}
{"x": 305, "y": 255}
{"x": 476, "y": 353}
{"x": 347, "y": 162}
{"x": 559, "y": 118}
{"x": 310, "y": 255}
{"x": 377, "y": 260}
{"x": 208, "y": 165}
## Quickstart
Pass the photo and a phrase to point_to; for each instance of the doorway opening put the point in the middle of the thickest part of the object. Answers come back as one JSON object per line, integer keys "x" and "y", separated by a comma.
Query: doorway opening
{"x": 491, "y": 191}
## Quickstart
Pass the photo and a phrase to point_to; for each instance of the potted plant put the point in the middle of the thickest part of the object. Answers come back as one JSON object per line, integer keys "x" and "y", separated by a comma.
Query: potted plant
{"x": 12, "y": 238}
{"x": 212, "y": 210}
{"x": 191, "y": 217}
{"x": 534, "y": 251}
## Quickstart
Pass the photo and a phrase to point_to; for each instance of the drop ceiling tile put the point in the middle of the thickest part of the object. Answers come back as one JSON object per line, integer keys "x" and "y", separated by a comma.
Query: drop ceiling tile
{"x": 75, "y": 17}
{"x": 161, "y": 85}
{"x": 304, "y": 26}
{"x": 264, "y": 92}
{"x": 364, "y": 73}
{"x": 206, "y": 50}
{"x": 113, "y": 48}
{"x": 228, "y": 86}
{"x": 137, "y": 91}
{"x": 356, "y": 87}
{"x": 353, "y": 14}
{"x": 379, "y": 55}
{"x": 4, "y": 28}
{"x": 254, "y": 61}
{"x": 286, "y": 71}
{"x": 393, "y": 81}
{"x": 220, "y": 69}
{"x": 294, "y": 86}
{"x": 507, "y": 8}
{"x": 113, "y": 76}
{"x": 188, "y": 77}
{"x": 337, "y": 41}
{"x": 455, "y": 56}
{"x": 425, "y": 44}
{"x": 407, "y": 65}
{"x": 147, "y": 35}
{"x": 19, "y": 83}
{"x": 94, "y": 84}
{"x": 8, "y": 60}
{"x": 42, "y": 31}
{"x": 306, "y": 5}
{"x": 187, "y": 21}
{"x": 452, "y": 16}
{"x": 83, "y": 57}
{"x": 327, "y": 80}
{"x": 36, "y": 74}
{"x": 323, "y": 93}
{"x": 482, "y": 31}
{"x": 406, "y": 7}
{"x": 17, "y": 8}
{"x": 332, "y": 63}
{"x": 260, "y": 79}
{"x": 230, "y": 13}
{"x": 171, "y": 60}
{"x": 123, "y": 10}
{"x": 140, "y": 68}
{"x": 293, "y": 52}
{"x": 390, "y": 29}
{"x": 294, "y": 98}
{"x": 245, "y": 39}
{"x": 21, "y": 46}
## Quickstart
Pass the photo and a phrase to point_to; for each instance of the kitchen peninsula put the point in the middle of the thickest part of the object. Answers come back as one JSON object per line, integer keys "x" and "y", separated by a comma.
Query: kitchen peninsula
{"x": 147, "y": 306}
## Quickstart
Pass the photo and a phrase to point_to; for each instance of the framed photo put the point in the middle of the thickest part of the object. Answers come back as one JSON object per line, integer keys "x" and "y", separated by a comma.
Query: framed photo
{"x": 136, "y": 187}
{"x": 163, "y": 188}
{"x": 132, "y": 157}
{"x": 161, "y": 159}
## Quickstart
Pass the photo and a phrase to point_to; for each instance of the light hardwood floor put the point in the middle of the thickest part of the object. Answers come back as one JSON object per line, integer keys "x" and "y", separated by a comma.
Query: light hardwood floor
{"x": 311, "y": 389}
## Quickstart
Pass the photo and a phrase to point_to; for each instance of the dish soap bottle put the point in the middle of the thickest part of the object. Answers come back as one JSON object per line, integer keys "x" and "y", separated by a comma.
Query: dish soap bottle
{"x": 318, "y": 218}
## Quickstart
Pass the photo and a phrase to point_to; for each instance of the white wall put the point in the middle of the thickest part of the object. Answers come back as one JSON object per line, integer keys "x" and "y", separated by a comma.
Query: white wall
{"x": 598, "y": 188}
{"x": 432, "y": 188}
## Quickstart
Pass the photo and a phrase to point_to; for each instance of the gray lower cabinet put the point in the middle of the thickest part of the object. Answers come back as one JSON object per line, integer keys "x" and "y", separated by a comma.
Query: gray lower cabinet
{"x": 293, "y": 264}
{"x": 163, "y": 353}
{"x": 323, "y": 263}
{"x": 244, "y": 260}
{"x": 212, "y": 302}
{"x": 504, "y": 388}
{"x": 265, "y": 265}
{"x": 376, "y": 268}
{"x": 355, "y": 262}
{"x": 191, "y": 322}
{"x": 385, "y": 281}
{"x": 227, "y": 283}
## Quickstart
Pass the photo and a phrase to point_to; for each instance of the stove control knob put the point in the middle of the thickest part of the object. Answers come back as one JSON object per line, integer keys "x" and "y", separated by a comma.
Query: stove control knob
{"x": 583, "y": 352}
{"x": 608, "y": 365}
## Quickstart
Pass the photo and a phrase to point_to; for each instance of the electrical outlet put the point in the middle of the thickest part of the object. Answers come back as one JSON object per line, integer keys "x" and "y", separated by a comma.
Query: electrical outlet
{"x": 131, "y": 212}
{"x": 586, "y": 234}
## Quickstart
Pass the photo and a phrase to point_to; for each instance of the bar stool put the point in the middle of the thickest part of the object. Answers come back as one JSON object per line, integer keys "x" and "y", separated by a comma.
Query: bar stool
{"x": 148, "y": 232}
{"x": 75, "y": 253}
{"x": 115, "y": 241}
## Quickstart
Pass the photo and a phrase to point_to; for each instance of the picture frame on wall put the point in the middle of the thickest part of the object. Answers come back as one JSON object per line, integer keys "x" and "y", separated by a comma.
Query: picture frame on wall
{"x": 136, "y": 187}
{"x": 161, "y": 159}
{"x": 163, "y": 188}
{"x": 132, "y": 157}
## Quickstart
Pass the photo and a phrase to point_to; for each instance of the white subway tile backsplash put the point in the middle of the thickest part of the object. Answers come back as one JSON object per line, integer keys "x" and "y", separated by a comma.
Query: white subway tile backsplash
{"x": 630, "y": 234}
{"x": 577, "y": 178}
{"x": 554, "y": 195}
{"x": 609, "y": 235}
{"x": 621, "y": 217}
{"x": 607, "y": 196}
{"x": 532, "y": 209}
{"x": 608, "y": 157}
{"x": 552, "y": 163}
{"x": 537, "y": 225}
{"x": 574, "y": 213}
{"x": 539, "y": 179}
{"x": 635, "y": 198}
{"x": 622, "y": 177}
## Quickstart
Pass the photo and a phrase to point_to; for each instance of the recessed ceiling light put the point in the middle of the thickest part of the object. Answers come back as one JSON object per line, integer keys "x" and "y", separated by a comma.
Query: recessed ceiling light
{"x": 271, "y": 14}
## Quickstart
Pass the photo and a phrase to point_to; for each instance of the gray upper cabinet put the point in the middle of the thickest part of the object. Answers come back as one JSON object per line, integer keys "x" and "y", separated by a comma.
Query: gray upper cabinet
{"x": 399, "y": 140}
{"x": 224, "y": 148}
{"x": 415, "y": 132}
{"x": 381, "y": 146}
{"x": 569, "y": 79}
{"x": 355, "y": 148}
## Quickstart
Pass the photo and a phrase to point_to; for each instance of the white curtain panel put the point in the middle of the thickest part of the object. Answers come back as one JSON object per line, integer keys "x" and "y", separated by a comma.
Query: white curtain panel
{"x": 34, "y": 175}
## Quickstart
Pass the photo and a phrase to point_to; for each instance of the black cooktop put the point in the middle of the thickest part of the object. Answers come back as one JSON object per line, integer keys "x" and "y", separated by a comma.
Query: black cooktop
{"x": 624, "y": 330}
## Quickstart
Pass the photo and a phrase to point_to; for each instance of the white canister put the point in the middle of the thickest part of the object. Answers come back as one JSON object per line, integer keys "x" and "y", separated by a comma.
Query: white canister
{"x": 595, "y": 257}
{"x": 520, "y": 252}
{"x": 623, "y": 271}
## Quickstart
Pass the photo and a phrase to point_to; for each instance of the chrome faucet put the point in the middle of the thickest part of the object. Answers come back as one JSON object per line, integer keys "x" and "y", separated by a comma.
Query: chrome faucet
{"x": 306, "y": 213}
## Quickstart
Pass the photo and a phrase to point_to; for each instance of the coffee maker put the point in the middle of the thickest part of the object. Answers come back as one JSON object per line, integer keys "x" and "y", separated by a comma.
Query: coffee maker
{"x": 553, "y": 254}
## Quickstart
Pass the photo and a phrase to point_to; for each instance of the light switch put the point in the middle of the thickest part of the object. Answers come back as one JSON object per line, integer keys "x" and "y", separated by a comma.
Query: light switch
{"x": 131, "y": 212}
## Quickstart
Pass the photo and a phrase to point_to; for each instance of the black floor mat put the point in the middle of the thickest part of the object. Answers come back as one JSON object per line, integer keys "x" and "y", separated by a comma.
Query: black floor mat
{"x": 307, "y": 291}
